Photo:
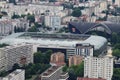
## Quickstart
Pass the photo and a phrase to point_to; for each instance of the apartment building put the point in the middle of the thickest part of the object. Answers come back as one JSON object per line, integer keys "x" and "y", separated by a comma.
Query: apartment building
{"x": 20, "y": 53}
{"x": 53, "y": 21}
{"x": 101, "y": 67}
{"x": 18, "y": 74}
{"x": 6, "y": 27}
{"x": 35, "y": 9}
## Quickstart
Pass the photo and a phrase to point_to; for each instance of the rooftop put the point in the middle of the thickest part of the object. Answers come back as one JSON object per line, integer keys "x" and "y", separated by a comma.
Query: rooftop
{"x": 50, "y": 71}
{"x": 54, "y": 40}
{"x": 11, "y": 75}
{"x": 89, "y": 78}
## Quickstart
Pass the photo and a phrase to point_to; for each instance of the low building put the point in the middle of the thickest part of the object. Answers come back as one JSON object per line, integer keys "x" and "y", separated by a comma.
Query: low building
{"x": 54, "y": 73}
{"x": 18, "y": 74}
{"x": 89, "y": 78}
{"x": 114, "y": 19}
{"x": 57, "y": 59}
{"x": 75, "y": 60}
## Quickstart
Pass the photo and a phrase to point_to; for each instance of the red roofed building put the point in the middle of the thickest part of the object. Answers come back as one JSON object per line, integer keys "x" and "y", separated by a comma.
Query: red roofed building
{"x": 89, "y": 78}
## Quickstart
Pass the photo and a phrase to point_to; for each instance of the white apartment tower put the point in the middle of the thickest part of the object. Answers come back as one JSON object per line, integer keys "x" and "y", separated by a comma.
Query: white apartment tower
{"x": 99, "y": 67}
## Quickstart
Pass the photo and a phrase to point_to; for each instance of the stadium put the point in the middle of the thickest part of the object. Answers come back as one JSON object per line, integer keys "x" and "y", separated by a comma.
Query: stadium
{"x": 66, "y": 43}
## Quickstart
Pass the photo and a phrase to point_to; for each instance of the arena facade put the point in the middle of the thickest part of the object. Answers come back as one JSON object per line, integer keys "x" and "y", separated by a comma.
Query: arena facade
{"x": 70, "y": 44}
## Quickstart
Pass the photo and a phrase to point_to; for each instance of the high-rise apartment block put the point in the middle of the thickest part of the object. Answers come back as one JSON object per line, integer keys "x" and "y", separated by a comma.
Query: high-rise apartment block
{"x": 101, "y": 67}
{"x": 57, "y": 59}
{"x": 18, "y": 74}
{"x": 75, "y": 60}
{"x": 20, "y": 53}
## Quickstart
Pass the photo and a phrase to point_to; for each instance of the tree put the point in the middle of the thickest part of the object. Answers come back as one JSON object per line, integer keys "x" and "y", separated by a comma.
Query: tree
{"x": 15, "y": 16}
{"x": 12, "y": 1}
{"x": 76, "y": 12}
{"x": 116, "y": 52}
{"x": 116, "y": 74}
{"x": 52, "y": 0}
{"x": 42, "y": 57}
{"x": 15, "y": 66}
{"x": 72, "y": 75}
{"x": 38, "y": 57}
{"x": 4, "y": 13}
{"x": 37, "y": 25}
{"x": 31, "y": 18}
{"x": 65, "y": 68}
{"x": 32, "y": 29}
{"x": 3, "y": 73}
{"x": 114, "y": 38}
{"x": 3, "y": 45}
{"x": 80, "y": 70}
{"x": 23, "y": 15}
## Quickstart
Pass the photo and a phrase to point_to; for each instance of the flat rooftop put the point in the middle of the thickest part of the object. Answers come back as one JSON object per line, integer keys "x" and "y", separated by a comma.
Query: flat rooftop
{"x": 11, "y": 75}
{"x": 55, "y": 36}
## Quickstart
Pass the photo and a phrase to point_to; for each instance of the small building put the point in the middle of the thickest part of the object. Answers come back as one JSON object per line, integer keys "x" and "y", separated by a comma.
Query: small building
{"x": 57, "y": 59}
{"x": 75, "y": 60}
{"x": 18, "y": 74}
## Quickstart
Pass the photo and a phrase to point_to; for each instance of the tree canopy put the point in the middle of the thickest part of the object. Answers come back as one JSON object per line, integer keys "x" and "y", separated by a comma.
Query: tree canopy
{"x": 116, "y": 74}
{"x": 76, "y": 12}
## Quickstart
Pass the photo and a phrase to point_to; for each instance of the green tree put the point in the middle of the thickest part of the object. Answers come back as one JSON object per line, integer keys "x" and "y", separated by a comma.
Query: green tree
{"x": 52, "y": 0}
{"x": 38, "y": 57}
{"x": 116, "y": 74}
{"x": 23, "y": 15}
{"x": 76, "y": 12}
{"x": 65, "y": 68}
{"x": 15, "y": 16}
{"x": 4, "y": 13}
{"x": 80, "y": 70}
{"x": 3, "y": 73}
{"x": 116, "y": 52}
{"x": 114, "y": 38}
{"x": 37, "y": 25}
{"x": 3, "y": 45}
{"x": 12, "y": 1}
{"x": 42, "y": 57}
{"x": 15, "y": 66}
{"x": 31, "y": 18}
{"x": 72, "y": 75}
{"x": 32, "y": 29}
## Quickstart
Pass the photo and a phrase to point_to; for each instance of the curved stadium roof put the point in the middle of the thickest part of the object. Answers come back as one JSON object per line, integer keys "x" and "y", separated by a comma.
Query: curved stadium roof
{"x": 84, "y": 27}
{"x": 18, "y": 38}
